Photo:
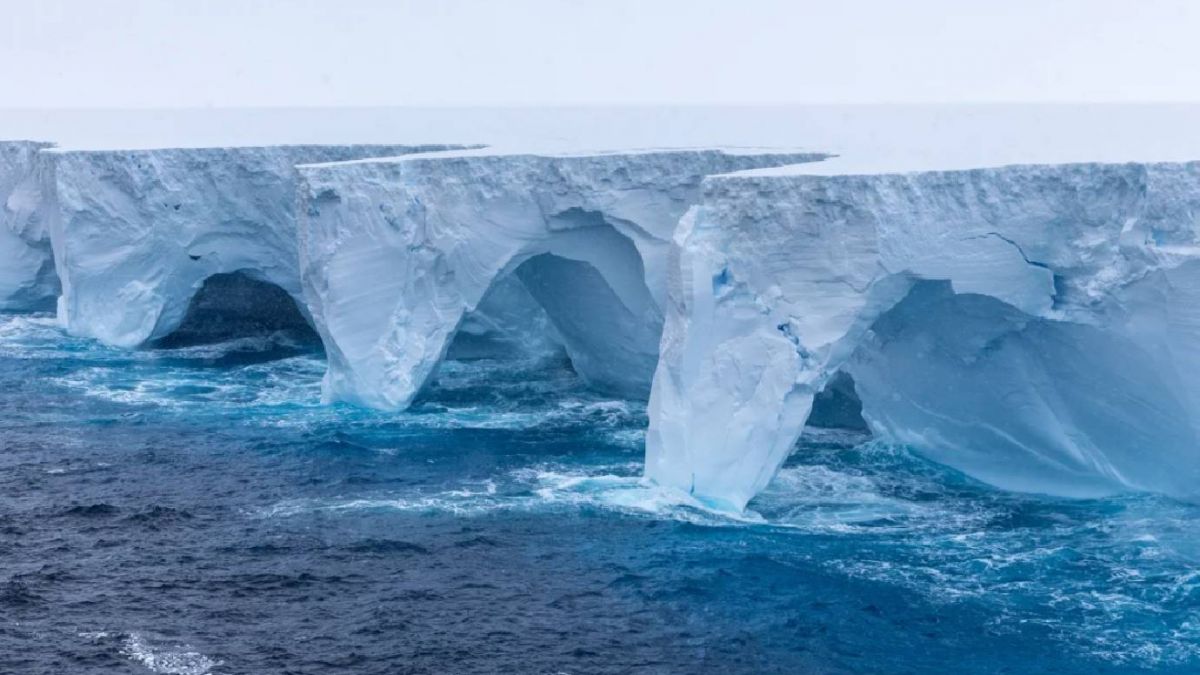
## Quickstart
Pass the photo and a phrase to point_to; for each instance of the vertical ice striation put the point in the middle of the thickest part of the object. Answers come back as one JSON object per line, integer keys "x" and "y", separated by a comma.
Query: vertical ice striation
{"x": 27, "y": 279}
{"x": 395, "y": 253}
{"x": 1032, "y": 326}
{"x": 135, "y": 233}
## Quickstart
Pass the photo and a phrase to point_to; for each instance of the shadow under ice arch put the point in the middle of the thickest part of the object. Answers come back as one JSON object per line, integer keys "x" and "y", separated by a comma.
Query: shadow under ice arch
{"x": 236, "y": 305}
{"x": 396, "y": 252}
{"x": 591, "y": 287}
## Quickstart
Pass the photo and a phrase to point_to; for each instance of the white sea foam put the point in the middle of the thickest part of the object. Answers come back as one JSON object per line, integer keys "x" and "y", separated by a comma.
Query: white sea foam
{"x": 548, "y": 487}
{"x": 176, "y": 660}
{"x": 909, "y": 531}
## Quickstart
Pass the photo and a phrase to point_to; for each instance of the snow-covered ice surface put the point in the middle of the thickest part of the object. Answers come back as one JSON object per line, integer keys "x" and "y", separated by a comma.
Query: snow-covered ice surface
{"x": 135, "y": 233}
{"x": 922, "y": 136}
{"x": 396, "y": 252}
{"x": 1032, "y": 326}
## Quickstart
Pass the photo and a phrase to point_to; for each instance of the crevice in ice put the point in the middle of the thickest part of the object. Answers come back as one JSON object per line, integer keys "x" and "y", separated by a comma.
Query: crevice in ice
{"x": 1060, "y": 292}
{"x": 235, "y": 305}
{"x": 789, "y": 332}
{"x": 1010, "y": 242}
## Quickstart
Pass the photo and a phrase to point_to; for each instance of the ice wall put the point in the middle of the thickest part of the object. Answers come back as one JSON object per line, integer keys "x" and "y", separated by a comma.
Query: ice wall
{"x": 394, "y": 253}
{"x": 1033, "y": 326}
{"x": 136, "y": 233}
{"x": 27, "y": 279}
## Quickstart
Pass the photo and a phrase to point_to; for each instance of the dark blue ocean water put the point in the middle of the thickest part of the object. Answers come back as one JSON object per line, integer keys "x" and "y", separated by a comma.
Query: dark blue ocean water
{"x": 194, "y": 510}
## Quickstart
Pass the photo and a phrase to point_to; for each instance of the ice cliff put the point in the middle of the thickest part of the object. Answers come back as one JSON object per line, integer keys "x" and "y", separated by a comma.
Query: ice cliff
{"x": 27, "y": 278}
{"x": 396, "y": 252}
{"x": 1036, "y": 327}
{"x": 135, "y": 233}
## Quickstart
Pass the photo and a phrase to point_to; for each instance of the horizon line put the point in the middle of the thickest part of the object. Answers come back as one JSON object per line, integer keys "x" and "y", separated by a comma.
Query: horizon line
{"x": 584, "y": 105}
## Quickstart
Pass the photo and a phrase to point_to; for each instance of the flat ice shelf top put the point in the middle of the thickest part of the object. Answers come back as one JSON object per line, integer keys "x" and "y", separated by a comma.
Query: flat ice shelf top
{"x": 946, "y": 136}
{"x": 494, "y": 153}
{"x": 836, "y": 166}
{"x": 871, "y": 164}
{"x": 288, "y": 147}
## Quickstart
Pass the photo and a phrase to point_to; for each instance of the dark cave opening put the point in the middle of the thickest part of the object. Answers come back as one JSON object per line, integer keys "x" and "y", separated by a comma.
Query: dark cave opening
{"x": 837, "y": 406}
{"x": 235, "y": 305}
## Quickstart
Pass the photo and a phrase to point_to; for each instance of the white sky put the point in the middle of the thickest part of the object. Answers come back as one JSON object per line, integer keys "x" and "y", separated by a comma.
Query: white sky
{"x": 183, "y": 53}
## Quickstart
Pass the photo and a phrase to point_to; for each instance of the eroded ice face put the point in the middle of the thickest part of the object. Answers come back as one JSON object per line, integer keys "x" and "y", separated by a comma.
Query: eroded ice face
{"x": 397, "y": 252}
{"x": 1027, "y": 325}
{"x": 27, "y": 279}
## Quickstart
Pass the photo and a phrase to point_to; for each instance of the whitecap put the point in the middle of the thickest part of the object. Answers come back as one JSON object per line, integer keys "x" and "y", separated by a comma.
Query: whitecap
{"x": 177, "y": 660}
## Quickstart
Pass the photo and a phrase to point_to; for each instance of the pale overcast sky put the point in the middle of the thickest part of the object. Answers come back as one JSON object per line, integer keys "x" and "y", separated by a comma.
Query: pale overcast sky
{"x": 152, "y": 53}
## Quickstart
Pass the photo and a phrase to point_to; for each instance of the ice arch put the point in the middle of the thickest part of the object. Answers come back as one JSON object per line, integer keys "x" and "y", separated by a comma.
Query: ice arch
{"x": 135, "y": 233}
{"x": 1024, "y": 402}
{"x": 781, "y": 280}
{"x": 396, "y": 252}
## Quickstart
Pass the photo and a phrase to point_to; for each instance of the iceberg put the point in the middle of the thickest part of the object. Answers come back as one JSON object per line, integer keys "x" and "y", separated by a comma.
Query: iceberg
{"x": 395, "y": 253}
{"x": 1033, "y": 326}
{"x": 27, "y": 280}
{"x": 136, "y": 233}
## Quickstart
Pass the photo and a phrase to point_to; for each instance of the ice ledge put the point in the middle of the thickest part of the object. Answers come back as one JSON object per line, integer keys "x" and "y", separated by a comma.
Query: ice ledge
{"x": 512, "y": 153}
{"x": 868, "y": 165}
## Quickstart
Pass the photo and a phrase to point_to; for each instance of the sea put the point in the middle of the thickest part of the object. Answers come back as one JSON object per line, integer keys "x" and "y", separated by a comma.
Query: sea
{"x": 193, "y": 509}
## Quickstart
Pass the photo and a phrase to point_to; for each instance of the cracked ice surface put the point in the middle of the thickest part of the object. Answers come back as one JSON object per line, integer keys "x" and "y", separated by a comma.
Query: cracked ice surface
{"x": 1032, "y": 326}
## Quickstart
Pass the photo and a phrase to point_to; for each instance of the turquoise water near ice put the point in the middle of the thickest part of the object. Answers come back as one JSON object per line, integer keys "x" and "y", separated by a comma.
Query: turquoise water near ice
{"x": 196, "y": 510}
